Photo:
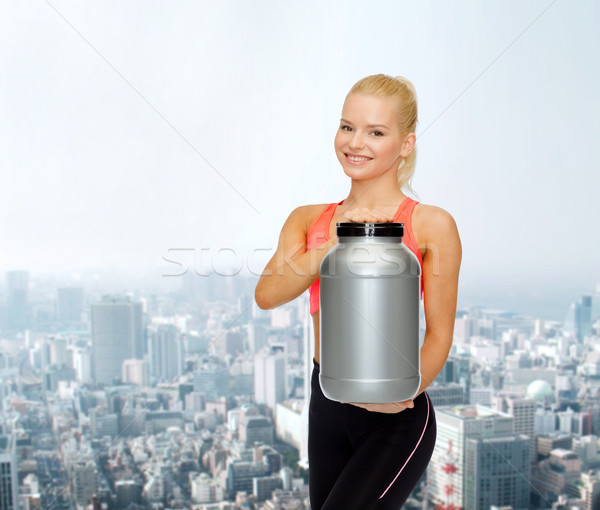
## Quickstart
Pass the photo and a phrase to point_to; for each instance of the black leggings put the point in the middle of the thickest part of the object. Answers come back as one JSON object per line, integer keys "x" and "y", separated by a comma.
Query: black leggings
{"x": 364, "y": 460}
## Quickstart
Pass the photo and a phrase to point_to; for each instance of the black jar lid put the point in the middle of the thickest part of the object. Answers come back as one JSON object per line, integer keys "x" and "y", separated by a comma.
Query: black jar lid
{"x": 352, "y": 229}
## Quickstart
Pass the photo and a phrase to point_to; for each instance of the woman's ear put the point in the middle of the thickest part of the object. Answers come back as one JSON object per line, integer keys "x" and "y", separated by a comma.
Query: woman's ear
{"x": 408, "y": 145}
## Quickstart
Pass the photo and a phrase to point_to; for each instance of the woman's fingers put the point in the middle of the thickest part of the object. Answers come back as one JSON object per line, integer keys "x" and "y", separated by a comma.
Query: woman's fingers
{"x": 394, "y": 407}
{"x": 364, "y": 215}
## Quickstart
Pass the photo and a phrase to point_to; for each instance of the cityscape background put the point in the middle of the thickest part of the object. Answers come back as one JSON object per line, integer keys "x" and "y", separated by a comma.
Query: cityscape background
{"x": 129, "y": 130}
{"x": 150, "y": 154}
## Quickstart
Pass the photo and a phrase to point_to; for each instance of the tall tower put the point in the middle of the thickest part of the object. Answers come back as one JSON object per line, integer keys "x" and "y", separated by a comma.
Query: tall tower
{"x": 270, "y": 377}
{"x": 523, "y": 412}
{"x": 17, "y": 300}
{"x": 493, "y": 464}
{"x": 579, "y": 318}
{"x": 69, "y": 305}
{"x": 117, "y": 335}
{"x": 165, "y": 351}
{"x": 212, "y": 379}
{"x": 8, "y": 473}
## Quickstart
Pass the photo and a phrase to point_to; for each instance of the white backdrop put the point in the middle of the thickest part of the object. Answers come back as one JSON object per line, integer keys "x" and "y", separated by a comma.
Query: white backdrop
{"x": 131, "y": 128}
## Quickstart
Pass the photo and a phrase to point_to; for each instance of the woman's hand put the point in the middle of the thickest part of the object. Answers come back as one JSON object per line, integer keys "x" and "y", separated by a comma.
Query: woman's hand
{"x": 392, "y": 408}
{"x": 365, "y": 215}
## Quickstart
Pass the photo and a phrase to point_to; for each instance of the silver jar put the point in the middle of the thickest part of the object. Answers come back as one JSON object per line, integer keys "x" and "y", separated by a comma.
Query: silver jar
{"x": 369, "y": 316}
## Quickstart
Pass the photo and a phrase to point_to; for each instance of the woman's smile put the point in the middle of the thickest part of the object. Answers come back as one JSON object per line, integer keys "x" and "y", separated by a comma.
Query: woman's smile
{"x": 356, "y": 159}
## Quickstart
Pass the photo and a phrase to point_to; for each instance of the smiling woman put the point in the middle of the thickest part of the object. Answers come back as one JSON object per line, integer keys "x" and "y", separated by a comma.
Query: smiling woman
{"x": 370, "y": 456}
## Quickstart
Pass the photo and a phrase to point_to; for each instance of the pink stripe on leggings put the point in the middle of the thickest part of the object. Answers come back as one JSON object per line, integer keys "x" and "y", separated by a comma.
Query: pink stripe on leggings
{"x": 411, "y": 454}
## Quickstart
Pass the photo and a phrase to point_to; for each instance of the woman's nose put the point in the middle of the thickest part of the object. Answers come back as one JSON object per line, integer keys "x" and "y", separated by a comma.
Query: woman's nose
{"x": 357, "y": 141}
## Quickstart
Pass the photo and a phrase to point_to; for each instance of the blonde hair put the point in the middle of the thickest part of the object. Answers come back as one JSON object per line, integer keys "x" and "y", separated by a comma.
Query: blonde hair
{"x": 403, "y": 91}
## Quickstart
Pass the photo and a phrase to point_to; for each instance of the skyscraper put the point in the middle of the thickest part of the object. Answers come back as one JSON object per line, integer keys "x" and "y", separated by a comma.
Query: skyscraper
{"x": 269, "y": 377}
{"x": 17, "y": 300}
{"x": 497, "y": 472}
{"x": 523, "y": 412}
{"x": 212, "y": 379}
{"x": 116, "y": 335}
{"x": 457, "y": 369}
{"x": 492, "y": 463}
{"x": 69, "y": 304}
{"x": 165, "y": 351}
{"x": 8, "y": 473}
{"x": 579, "y": 318}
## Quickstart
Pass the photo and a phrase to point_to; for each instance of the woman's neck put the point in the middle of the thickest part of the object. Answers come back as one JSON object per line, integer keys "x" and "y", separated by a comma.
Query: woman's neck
{"x": 372, "y": 198}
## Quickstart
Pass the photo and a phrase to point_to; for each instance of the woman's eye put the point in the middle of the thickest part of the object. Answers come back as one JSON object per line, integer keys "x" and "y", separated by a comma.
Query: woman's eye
{"x": 377, "y": 133}
{"x": 345, "y": 128}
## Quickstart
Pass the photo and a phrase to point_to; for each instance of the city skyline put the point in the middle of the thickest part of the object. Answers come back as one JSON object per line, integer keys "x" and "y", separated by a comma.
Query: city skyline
{"x": 517, "y": 402}
{"x": 118, "y": 126}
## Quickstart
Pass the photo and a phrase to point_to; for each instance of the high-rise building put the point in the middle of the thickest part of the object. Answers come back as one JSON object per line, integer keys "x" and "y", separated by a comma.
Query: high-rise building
{"x": 579, "y": 318}
{"x": 117, "y": 335}
{"x": 8, "y": 473}
{"x": 83, "y": 479}
{"x": 449, "y": 394}
{"x": 69, "y": 305}
{"x": 457, "y": 369}
{"x": 497, "y": 471}
{"x": 17, "y": 300}
{"x": 590, "y": 490}
{"x": 490, "y": 463}
{"x": 57, "y": 350}
{"x": 229, "y": 343}
{"x": 240, "y": 475}
{"x": 165, "y": 351}
{"x": 257, "y": 336}
{"x": 204, "y": 489}
{"x": 263, "y": 487}
{"x": 523, "y": 412}
{"x": 253, "y": 429}
{"x": 212, "y": 379}
{"x": 559, "y": 474}
{"x": 135, "y": 371}
{"x": 244, "y": 304}
{"x": 270, "y": 377}
{"x": 82, "y": 363}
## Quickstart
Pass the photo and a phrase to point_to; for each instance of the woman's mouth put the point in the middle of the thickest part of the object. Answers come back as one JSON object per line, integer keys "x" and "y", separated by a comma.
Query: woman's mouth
{"x": 355, "y": 159}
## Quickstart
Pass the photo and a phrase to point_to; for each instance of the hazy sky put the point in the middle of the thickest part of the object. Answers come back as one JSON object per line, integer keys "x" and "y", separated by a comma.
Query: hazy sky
{"x": 132, "y": 128}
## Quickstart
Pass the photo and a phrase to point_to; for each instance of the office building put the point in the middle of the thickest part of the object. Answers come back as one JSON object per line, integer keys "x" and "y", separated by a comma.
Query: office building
{"x": 256, "y": 429}
{"x": 58, "y": 351}
{"x": 448, "y": 394}
{"x": 240, "y": 475}
{"x": 497, "y": 471}
{"x": 559, "y": 474}
{"x": 83, "y": 479}
{"x": 69, "y": 305}
{"x": 457, "y": 369}
{"x": 212, "y": 379}
{"x": 578, "y": 322}
{"x": 135, "y": 371}
{"x": 203, "y": 489}
{"x": 590, "y": 490}
{"x": 8, "y": 473}
{"x": 270, "y": 377}
{"x": 165, "y": 352}
{"x": 117, "y": 335}
{"x": 523, "y": 411}
{"x": 17, "y": 300}
{"x": 481, "y": 447}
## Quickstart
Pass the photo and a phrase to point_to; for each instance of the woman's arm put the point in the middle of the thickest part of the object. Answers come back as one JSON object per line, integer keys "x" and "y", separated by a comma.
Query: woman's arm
{"x": 441, "y": 265}
{"x": 292, "y": 269}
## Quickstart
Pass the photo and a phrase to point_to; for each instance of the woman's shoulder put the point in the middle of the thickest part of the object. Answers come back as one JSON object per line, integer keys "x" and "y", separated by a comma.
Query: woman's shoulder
{"x": 306, "y": 214}
{"x": 432, "y": 222}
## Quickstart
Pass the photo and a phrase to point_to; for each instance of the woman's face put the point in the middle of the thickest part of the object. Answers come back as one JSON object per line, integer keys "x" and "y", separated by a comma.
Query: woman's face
{"x": 368, "y": 142}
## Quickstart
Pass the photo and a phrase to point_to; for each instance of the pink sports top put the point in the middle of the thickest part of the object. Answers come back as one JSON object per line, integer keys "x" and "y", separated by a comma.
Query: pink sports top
{"x": 318, "y": 233}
